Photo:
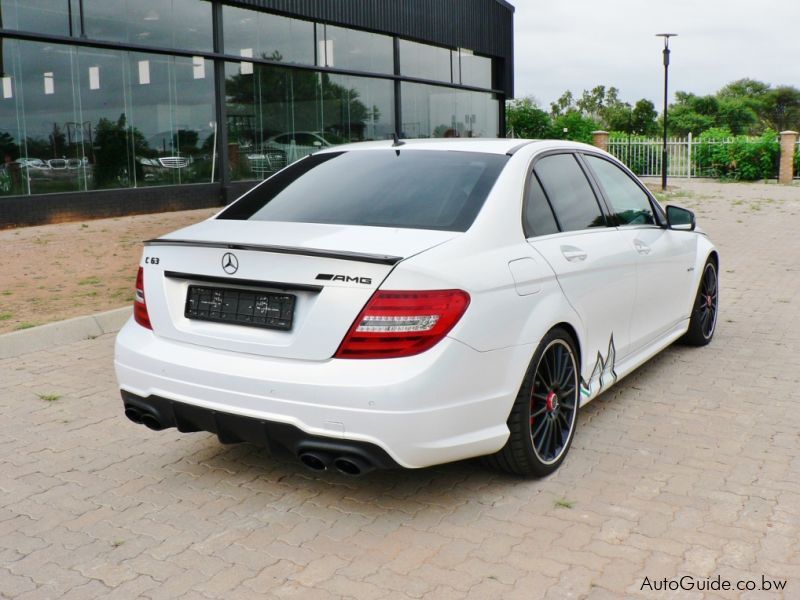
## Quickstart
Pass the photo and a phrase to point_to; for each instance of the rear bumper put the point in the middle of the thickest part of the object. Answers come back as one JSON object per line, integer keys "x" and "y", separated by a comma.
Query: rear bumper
{"x": 232, "y": 429}
{"x": 446, "y": 404}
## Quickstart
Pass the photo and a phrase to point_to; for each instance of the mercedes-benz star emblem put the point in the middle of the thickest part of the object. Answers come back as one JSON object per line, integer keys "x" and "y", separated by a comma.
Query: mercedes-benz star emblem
{"x": 230, "y": 264}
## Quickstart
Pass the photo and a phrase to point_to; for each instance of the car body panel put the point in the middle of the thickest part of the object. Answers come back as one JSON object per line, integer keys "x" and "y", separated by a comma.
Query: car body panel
{"x": 451, "y": 401}
{"x": 405, "y": 406}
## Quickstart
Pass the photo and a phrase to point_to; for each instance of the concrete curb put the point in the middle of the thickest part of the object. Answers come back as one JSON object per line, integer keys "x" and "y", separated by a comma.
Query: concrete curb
{"x": 62, "y": 332}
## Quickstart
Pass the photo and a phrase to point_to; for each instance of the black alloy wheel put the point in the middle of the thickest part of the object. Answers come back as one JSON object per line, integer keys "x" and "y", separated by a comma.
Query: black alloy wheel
{"x": 703, "y": 321}
{"x": 553, "y": 404}
{"x": 544, "y": 415}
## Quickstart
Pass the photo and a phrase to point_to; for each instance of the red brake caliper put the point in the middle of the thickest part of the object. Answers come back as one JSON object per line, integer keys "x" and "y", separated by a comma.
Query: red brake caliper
{"x": 550, "y": 397}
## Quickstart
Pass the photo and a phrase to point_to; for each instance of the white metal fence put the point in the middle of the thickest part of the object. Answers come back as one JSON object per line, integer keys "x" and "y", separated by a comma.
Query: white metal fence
{"x": 644, "y": 156}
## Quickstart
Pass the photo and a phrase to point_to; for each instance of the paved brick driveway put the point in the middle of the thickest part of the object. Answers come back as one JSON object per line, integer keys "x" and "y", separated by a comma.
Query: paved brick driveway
{"x": 689, "y": 466}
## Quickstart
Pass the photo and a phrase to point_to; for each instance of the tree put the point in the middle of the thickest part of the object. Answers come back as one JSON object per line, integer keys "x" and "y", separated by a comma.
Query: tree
{"x": 8, "y": 146}
{"x": 578, "y": 128}
{"x": 526, "y": 120}
{"x": 644, "y": 117}
{"x": 781, "y": 108}
{"x": 692, "y": 114}
{"x": 592, "y": 103}
{"x": 744, "y": 88}
{"x": 114, "y": 162}
{"x": 684, "y": 120}
{"x": 737, "y": 115}
{"x": 563, "y": 105}
{"x": 619, "y": 118}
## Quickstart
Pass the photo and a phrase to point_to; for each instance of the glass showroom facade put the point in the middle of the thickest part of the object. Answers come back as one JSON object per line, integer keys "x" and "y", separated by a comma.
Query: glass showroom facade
{"x": 104, "y": 95}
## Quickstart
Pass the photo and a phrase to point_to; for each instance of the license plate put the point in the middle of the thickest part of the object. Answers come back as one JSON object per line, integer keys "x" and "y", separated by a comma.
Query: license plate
{"x": 240, "y": 307}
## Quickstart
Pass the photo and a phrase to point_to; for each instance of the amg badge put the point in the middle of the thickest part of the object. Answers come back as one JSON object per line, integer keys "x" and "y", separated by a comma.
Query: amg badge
{"x": 344, "y": 278}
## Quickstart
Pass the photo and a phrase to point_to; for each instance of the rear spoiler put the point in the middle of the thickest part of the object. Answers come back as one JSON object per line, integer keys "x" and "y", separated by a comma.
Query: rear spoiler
{"x": 381, "y": 259}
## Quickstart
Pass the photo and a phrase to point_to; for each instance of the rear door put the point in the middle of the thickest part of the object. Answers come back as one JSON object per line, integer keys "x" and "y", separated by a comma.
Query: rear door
{"x": 593, "y": 264}
{"x": 664, "y": 257}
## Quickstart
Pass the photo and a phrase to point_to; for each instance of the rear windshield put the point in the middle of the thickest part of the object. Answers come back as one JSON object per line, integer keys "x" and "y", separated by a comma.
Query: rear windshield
{"x": 414, "y": 189}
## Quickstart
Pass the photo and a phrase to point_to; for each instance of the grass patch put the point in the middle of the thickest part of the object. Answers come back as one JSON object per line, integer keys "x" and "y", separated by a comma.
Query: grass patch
{"x": 564, "y": 503}
{"x": 49, "y": 397}
{"x": 7, "y": 292}
{"x": 26, "y": 325}
{"x": 117, "y": 543}
{"x": 5, "y": 316}
{"x": 93, "y": 280}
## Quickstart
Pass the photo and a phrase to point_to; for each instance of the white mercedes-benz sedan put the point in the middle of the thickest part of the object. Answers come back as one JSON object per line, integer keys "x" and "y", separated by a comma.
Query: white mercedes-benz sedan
{"x": 416, "y": 302}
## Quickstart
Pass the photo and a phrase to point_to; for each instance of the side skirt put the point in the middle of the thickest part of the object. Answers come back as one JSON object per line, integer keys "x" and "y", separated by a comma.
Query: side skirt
{"x": 632, "y": 362}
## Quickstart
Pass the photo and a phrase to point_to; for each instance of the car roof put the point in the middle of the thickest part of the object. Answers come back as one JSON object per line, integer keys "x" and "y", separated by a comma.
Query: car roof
{"x": 485, "y": 145}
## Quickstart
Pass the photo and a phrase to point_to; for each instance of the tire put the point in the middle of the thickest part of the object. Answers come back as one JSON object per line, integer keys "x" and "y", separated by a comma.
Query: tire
{"x": 703, "y": 321}
{"x": 547, "y": 405}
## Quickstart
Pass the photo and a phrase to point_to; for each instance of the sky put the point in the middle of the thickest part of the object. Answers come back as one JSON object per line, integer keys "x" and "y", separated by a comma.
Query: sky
{"x": 577, "y": 44}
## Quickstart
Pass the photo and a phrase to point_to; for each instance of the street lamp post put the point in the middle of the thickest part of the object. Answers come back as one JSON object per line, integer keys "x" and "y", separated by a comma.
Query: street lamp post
{"x": 666, "y": 37}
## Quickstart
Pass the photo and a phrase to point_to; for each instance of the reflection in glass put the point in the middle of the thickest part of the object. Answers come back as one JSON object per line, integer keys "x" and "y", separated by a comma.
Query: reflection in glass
{"x": 272, "y": 37}
{"x": 356, "y": 50}
{"x": 425, "y": 62}
{"x": 432, "y": 111}
{"x": 277, "y": 115}
{"x": 97, "y": 123}
{"x": 169, "y": 23}
{"x": 174, "y": 115}
{"x": 476, "y": 71}
{"x": 40, "y": 16}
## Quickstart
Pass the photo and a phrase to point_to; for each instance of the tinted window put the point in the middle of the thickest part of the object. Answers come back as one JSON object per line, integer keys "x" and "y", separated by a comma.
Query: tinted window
{"x": 434, "y": 111}
{"x": 264, "y": 35}
{"x": 424, "y": 61}
{"x": 170, "y": 23}
{"x": 539, "y": 218}
{"x": 475, "y": 70}
{"x": 306, "y": 139}
{"x": 630, "y": 204}
{"x": 356, "y": 50}
{"x": 413, "y": 189}
{"x": 569, "y": 192}
{"x": 42, "y": 16}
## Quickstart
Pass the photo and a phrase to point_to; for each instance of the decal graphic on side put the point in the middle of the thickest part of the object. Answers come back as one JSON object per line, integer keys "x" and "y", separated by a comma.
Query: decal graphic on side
{"x": 603, "y": 374}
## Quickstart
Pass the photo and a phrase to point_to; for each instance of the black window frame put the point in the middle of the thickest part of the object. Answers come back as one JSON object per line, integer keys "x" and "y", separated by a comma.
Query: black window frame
{"x": 658, "y": 212}
{"x": 599, "y": 198}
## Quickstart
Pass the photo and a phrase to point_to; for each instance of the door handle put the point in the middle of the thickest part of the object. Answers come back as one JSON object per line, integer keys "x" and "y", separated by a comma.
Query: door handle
{"x": 641, "y": 247}
{"x": 573, "y": 254}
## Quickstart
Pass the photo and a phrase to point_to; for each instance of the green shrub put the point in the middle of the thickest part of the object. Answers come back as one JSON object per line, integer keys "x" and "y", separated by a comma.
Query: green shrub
{"x": 796, "y": 161}
{"x": 718, "y": 153}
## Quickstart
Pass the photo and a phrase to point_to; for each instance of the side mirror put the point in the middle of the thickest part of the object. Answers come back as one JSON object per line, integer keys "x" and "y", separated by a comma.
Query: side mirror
{"x": 317, "y": 144}
{"x": 680, "y": 219}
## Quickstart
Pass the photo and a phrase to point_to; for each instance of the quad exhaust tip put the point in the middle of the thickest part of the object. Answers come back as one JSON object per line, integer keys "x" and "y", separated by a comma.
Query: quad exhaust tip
{"x": 144, "y": 417}
{"x": 350, "y": 466}
{"x": 134, "y": 414}
{"x": 346, "y": 465}
{"x": 315, "y": 461}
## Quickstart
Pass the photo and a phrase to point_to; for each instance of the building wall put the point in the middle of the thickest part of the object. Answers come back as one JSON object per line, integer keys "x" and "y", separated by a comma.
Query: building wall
{"x": 484, "y": 26}
{"x": 143, "y": 105}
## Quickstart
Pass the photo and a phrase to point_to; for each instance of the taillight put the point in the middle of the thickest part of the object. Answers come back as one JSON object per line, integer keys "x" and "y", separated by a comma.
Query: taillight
{"x": 140, "y": 304}
{"x": 396, "y": 324}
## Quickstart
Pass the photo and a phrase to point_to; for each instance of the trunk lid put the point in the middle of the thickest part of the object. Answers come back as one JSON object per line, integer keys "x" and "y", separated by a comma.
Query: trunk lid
{"x": 331, "y": 270}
